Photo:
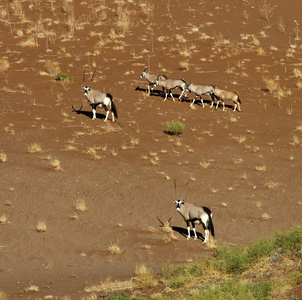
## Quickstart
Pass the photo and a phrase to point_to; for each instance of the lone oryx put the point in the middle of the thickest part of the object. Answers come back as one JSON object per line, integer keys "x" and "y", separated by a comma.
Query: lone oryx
{"x": 222, "y": 95}
{"x": 97, "y": 98}
{"x": 151, "y": 78}
{"x": 196, "y": 215}
{"x": 200, "y": 90}
{"x": 170, "y": 84}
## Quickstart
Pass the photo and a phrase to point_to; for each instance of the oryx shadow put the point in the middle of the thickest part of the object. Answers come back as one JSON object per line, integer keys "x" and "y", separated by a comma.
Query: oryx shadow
{"x": 154, "y": 93}
{"x": 88, "y": 114}
{"x": 182, "y": 231}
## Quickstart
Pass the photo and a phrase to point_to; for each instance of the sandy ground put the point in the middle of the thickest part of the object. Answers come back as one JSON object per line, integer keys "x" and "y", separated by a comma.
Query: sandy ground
{"x": 245, "y": 166}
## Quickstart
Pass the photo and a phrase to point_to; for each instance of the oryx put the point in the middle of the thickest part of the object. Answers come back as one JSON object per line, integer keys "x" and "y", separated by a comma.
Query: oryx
{"x": 195, "y": 215}
{"x": 169, "y": 84}
{"x": 200, "y": 90}
{"x": 222, "y": 95}
{"x": 151, "y": 78}
{"x": 96, "y": 98}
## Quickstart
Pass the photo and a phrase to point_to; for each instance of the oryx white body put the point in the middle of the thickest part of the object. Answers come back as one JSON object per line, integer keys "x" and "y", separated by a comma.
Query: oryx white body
{"x": 195, "y": 215}
{"x": 170, "y": 84}
{"x": 200, "y": 90}
{"x": 99, "y": 99}
{"x": 222, "y": 95}
{"x": 151, "y": 78}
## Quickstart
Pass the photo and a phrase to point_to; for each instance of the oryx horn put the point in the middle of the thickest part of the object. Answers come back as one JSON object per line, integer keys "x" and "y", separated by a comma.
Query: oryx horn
{"x": 92, "y": 76}
{"x": 184, "y": 189}
{"x": 175, "y": 188}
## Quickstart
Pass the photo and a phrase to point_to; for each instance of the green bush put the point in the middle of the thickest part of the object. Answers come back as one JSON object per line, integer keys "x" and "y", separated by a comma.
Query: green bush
{"x": 63, "y": 77}
{"x": 235, "y": 290}
{"x": 291, "y": 240}
{"x": 175, "y": 128}
{"x": 123, "y": 296}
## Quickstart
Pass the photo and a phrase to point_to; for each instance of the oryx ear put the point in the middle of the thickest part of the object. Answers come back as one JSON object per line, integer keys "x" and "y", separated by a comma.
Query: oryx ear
{"x": 184, "y": 200}
{"x": 89, "y": 87}
{"x": 82, "y": 86}
{"x": 173, "y": 200}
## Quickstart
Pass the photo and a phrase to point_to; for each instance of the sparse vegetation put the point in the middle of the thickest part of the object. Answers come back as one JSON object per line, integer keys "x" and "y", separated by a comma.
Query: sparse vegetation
{"x": 3, "y": 157}
{"x": 80, "y": 204}
{"x": 34, "y": 148}
{"x": 55, "y": 164}
{"x": 175, "y": 128}
{"x": 3, "y": 220}
{"x": 114, "y": 248}
{"x": 41, "y": 226}
{"x": 63, "y": 77}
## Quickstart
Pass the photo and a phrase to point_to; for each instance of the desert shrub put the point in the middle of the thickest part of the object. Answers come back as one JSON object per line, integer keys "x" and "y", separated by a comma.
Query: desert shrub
{"x": 123, "y": 296}
{"x": 291, "y": 240}
{"x": 144, "y": 277}
{"x": 237, "y": 290}
{"x": 258, "y": 250}
{"x": 175, "y": 128}
{"x": 63, "y": 77}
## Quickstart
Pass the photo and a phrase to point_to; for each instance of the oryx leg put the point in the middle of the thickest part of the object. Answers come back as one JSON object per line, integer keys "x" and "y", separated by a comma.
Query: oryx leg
{"x": 93, "y": 113}
{"x": 166, "y": 96}
{"x": 193, "y": 101}
{"x": 235, "y": 106}
{"x": 213, "y": 100}
{"x": 171, "y": 94}
{"x": 218, "y": 101}
{"x": 189, "y": 230}
{"x": 181, "y": 94}
{"x": 107, "y": 113}
{"x": 112, "y": 114}
{"x": 207, "y": 233}
{"x": 201, "y": 101}
{"x": 223, "y": 109}
{"x": 194, "y": 230}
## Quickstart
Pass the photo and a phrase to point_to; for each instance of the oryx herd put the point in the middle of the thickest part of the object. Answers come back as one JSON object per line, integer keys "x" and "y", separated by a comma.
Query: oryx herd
{"x": 190, "y": 212}
{"x": 199, "y": 90}
{"x": 96, "y": 98}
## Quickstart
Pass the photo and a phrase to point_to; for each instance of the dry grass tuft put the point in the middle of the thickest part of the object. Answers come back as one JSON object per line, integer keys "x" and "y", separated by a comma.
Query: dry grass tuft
{"x": 3, "y": 157}
{"x": 3, "y": 295}
{"x": 107, "y": 286}
{"x": 52, "y": 68}
{"x": 211, "y": 243}
{"x": 4, "y": 65}
{"x": 114, "y": 249}
{"x": 239, "y": 139}
{"x": 34, "y": 148}
{"x": 80, "y": 204}
{"x": 295, "y": 141}
{"x": 144, "y": 277}
{"x": 237, "y": 161}
{"x": 204, "y": 164}
{"x": 3, "y": 220}
{"x": 167, "y": 228}
{"x": 41, "y": 226}
{"x": 261, "y": 168}
{"x": 297, "y": 73}
{"x": 265, "y": 217}
{"x": 266, "y": 9}
{"x": 299, "y": 127}
{"x": 55, "y": 164}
